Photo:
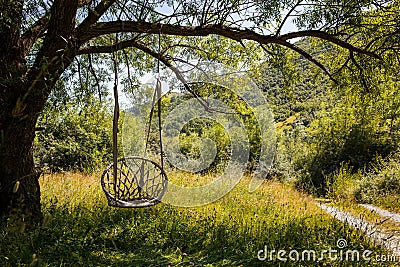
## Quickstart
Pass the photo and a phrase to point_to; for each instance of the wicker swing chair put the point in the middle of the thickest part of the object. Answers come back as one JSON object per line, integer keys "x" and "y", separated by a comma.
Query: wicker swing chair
{"x": 134, "y": 182}
{"x": 140, "y": 182}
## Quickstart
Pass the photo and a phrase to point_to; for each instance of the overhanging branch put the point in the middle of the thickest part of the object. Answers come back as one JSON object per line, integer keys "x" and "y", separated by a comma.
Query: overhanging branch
{"x": 327, "y": 37}
{"x": 278, "y": 32}
{"x": 141, "y": 46}
{"x": 103, "y": 28}
{"x": 310, "y": 58}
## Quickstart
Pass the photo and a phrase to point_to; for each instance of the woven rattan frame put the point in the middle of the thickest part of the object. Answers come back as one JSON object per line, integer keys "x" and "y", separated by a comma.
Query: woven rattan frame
{"x": 140, "y": 182}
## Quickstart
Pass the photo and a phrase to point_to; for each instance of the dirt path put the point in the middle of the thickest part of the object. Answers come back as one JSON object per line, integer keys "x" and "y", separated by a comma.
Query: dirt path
{"x": 387, "y": 240}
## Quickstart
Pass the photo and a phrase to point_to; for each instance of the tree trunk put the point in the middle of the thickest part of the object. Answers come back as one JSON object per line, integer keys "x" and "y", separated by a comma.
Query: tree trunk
{"x": 23, "y": 94}
{"x": 19, "y": 185}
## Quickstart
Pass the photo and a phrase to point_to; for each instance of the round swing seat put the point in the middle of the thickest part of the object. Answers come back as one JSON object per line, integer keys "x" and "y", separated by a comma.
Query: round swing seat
{"x": 139, "y": 183}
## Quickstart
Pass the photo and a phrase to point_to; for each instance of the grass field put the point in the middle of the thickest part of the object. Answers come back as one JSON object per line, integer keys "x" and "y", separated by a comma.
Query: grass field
{"x": 80, "y": 229}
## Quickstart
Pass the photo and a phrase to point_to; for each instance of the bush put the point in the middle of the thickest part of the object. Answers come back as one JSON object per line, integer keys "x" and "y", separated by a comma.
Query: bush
{"x": 342, "y": 184}
{"x": 74, "y": 138}
{"x": 224, "y": 132}
{"x": 345, "y": 135}
{"x": 290, "y": 150}
{"x": 383, "y": 180}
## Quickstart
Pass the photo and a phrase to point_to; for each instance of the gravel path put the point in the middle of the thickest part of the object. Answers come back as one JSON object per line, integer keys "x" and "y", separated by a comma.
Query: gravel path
{"x": 387, "y": 240}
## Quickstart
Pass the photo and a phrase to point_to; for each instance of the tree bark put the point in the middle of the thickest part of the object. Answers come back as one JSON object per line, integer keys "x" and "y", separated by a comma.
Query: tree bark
{"x": 23, "y": 94}
{"x": 19, "y": 186}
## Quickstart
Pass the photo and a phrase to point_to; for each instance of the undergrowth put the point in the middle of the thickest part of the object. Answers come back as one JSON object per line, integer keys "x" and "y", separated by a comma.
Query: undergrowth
{"x": 378, "y": 185}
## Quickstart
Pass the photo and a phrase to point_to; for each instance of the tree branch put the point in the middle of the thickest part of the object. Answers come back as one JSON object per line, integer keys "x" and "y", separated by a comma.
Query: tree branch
{"x": 310, "y": 58}
{"x": 236, "y": 34}
{"x": 30, "y": 36}
{"x": 361, "y": 70}
{"x": 330, "y": 38}
{"x": 107, "y": 48}
{"x": 95, "y": 14}
{"x": 278, "y": 32}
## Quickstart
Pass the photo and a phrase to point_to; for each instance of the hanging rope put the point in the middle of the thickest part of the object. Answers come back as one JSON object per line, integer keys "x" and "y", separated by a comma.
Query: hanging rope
{"x": 115, "y": 117}
{"x": 150, "y": 119}
{"x": 156, "y": 97}
{"x": 159, "y": 92}
{"x": 159, "y": 95}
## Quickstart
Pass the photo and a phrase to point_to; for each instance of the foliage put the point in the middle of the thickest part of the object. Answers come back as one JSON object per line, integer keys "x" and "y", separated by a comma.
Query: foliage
{"x": 291, "y": 133}
{"x": 295, "y": 87}
{"x": 378, "y": 185}
{"x": 357, "y": 122}
{"x": 214, "y": 132}
{"x": 296, "y": 99}
{"x": 74, "y": 137}
{"x": 191, "y": 145}
{"x": 40, "y": 42}
{"x": 381, "y": 184}
{"x": 80, "y": 229}
{"x": 360, "y": 127}
{"x": 342, "y": 184}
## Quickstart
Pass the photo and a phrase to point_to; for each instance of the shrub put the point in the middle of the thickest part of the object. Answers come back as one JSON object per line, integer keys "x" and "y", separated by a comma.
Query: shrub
{"x": 344, "y": 136}
{"x": 342, "y": 184}
{"x": 74, "y": 138}
{"x": 382, "y": 180}
{"x": 290, "y": 150}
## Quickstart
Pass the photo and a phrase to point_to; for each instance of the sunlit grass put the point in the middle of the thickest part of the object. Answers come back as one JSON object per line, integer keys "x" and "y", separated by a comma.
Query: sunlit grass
{"x": 389, "y": 202}
{"x": 71, "y": 190}
{"x": 181, "y": 178}
{"x": 80, "y": 229}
